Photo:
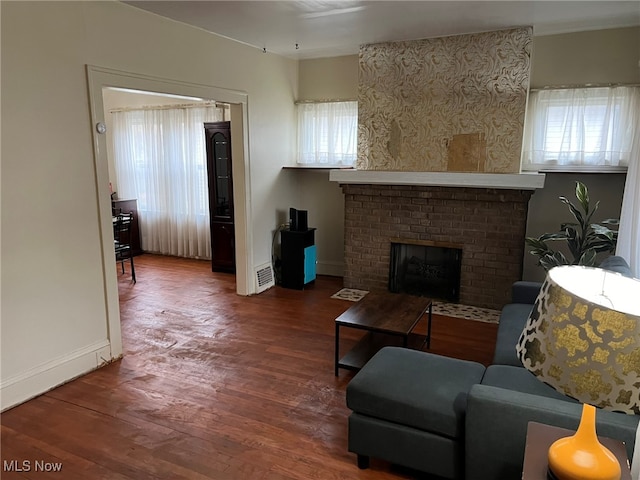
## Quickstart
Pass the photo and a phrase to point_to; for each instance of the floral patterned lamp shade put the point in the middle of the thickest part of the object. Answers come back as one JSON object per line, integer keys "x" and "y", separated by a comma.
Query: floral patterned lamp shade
{"x": 583, "y": 337}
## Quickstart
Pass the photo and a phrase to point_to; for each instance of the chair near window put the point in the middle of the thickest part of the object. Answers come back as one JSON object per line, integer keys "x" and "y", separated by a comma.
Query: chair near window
{"x": 122, "y": 240}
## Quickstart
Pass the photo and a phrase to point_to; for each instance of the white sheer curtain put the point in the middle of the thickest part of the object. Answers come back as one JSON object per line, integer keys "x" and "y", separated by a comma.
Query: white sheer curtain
{"x": 580, "y": 128}
{"x": 160, "y": 160}
{"x": 628, "y": 245}
{"x": 327, "y": 133}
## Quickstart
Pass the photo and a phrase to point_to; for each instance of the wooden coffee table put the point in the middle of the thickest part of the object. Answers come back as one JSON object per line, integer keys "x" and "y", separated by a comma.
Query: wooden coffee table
{"x": 389, "y": 318}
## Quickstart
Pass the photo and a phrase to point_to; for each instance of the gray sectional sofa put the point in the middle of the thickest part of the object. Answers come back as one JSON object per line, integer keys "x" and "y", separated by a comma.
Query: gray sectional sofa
{"x": 456, "y": 419}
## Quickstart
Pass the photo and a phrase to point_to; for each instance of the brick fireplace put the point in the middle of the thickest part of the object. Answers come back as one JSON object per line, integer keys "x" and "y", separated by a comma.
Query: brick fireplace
{"x": 440, "y": 124}
{"x": 487, "y": 224}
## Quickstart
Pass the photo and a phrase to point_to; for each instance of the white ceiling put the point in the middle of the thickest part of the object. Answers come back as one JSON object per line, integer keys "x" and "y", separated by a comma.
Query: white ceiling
{"x": 330, "y": 28}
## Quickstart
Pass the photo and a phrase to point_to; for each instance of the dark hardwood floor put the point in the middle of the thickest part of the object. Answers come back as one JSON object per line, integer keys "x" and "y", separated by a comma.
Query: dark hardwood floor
{"x": 212, "y": 386}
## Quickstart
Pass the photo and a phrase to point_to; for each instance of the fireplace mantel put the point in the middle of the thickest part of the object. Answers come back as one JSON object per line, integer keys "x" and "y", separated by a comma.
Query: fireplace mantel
{"x": 517, "y": 181}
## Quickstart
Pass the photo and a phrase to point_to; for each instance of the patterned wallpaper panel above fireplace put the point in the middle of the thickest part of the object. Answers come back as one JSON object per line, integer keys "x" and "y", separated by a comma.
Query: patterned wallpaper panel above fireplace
{"x": 444, "y": 104}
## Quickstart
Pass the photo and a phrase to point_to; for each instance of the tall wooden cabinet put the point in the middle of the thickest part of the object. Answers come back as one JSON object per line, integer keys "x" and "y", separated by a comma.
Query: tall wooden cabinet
{"x": 220, "y": 179}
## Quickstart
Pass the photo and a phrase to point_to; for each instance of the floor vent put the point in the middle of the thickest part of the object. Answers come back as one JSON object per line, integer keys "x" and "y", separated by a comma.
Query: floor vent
{"x": 264, "y": 278}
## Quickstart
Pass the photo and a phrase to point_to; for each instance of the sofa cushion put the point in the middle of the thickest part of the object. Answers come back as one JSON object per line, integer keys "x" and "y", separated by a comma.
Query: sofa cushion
{"x": 415, "y": 388}
{"x": 520, "y": 380}
{"x": 512, "y": 320}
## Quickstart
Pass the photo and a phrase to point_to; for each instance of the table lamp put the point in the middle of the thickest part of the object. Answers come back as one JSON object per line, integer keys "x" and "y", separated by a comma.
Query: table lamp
{"x": 583, "y": 339}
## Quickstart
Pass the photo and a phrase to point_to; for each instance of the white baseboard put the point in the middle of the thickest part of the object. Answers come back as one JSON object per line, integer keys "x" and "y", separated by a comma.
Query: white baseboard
{"x": 44, "y": 377}
{"x": 334, "y": 269}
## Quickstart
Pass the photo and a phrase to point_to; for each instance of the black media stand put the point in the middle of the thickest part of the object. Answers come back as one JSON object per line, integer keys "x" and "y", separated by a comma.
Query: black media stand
{"x": 298, "y": 258}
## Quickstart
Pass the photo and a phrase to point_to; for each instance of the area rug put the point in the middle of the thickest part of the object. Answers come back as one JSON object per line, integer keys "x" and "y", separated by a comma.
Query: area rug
{"x": 455, "y": 310}
{"x": 466, "y": 311}
{"x": 350, "y": 294}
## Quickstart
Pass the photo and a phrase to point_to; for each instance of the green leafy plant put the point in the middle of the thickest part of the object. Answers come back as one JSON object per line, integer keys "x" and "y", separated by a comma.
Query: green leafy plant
{"x": 583, "y": 238}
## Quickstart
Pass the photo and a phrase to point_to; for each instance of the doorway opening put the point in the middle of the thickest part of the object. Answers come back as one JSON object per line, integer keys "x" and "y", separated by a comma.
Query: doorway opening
{"x": 100, "y": 78}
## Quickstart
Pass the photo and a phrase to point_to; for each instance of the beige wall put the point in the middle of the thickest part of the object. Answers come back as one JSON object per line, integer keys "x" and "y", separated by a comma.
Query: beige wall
{"x": 547, "y": 212}
{"x": 600, "y": 56}
{"x": 325, "y": 79}
{"x": 325, "y": 203}
{"x": 54, "y": 312}
{"x": 606, "y": 56}
{"x": 333, "y": 78}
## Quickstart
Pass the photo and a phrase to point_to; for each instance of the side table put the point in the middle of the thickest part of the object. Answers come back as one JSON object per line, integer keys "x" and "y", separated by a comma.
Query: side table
{"x": 541, "y": 436}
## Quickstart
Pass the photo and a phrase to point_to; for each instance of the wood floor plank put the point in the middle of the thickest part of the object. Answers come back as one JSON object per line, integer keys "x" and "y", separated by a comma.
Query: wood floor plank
{"x": 213, "y": 386}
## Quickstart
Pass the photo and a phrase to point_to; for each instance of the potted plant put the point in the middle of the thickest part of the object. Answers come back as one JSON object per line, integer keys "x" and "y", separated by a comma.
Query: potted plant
{"x": 584, "y": 239}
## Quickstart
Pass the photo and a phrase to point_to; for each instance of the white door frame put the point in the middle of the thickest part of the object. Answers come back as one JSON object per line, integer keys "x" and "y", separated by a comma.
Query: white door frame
{"x": 99, "y": 78}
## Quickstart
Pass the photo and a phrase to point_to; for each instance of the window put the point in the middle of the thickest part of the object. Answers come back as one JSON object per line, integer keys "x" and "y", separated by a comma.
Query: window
{"x": 581, "y": 129}
{"x": 327, "y": 133}
{"x": 160, "y": 159}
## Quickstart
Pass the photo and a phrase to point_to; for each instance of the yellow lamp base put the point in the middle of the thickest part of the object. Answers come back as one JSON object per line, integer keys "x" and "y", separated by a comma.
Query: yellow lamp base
{"x": 582, "y": 456}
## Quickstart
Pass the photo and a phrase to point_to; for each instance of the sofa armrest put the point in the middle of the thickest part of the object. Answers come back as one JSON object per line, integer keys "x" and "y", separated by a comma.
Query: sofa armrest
{"x": 616, "y": 264}
{"x": 525, "y": 292}
{"x": 496, "y": 428}
{"x": 512, "y": 321}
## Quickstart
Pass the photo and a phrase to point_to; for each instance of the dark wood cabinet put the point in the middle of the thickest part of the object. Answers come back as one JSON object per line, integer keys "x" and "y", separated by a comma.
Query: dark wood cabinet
{"x": 222, "y": 247}
{"x": 220, "y": 180}
{"x": 130, "y": 206}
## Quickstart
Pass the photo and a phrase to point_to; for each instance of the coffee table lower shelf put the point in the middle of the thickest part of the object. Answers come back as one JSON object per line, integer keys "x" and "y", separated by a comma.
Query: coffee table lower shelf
{"x": 371, "y": 342}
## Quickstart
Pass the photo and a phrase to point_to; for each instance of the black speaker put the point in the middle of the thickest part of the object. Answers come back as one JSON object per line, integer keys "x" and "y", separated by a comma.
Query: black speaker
{"x": 303, "y": 226}
{"x": 298, "y": 220}
{"x": 293, "y": 220}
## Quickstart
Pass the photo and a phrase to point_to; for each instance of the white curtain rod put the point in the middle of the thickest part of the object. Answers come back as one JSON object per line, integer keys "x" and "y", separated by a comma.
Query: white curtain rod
{"x": 169, "y": 107}
{"x": 584, "y": 85}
